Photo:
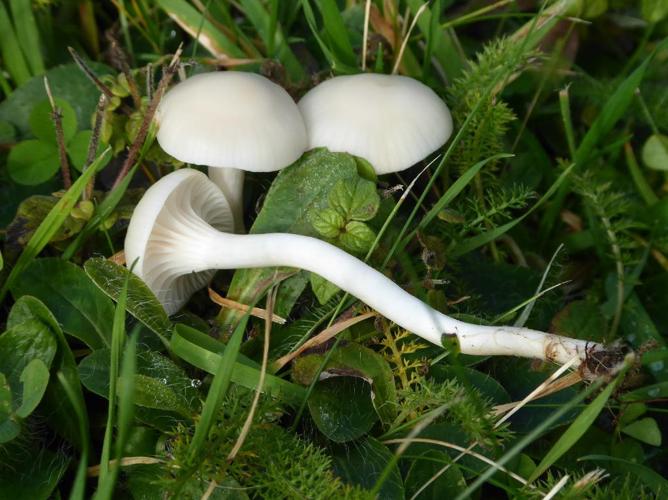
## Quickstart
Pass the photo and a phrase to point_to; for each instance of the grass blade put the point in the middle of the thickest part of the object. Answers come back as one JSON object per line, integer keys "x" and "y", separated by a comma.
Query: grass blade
{"x": 202, "y": 351}
{"x": 656, "y": 482}
{"x": 27, "y": 34}
{"x": 193, "y": 23}
{"x": 336, "y": 32}
{"x": 218, "y": 389}
{"x": 52, "y": 222}
{"x": 12, "y": 55}
{"x": 79, "y": 485}
{"x": 575, "y": 431}
{"x": 107, "y": 479}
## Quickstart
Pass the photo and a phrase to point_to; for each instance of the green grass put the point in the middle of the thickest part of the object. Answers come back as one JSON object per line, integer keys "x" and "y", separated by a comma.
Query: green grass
{"x": 547, "y": 208}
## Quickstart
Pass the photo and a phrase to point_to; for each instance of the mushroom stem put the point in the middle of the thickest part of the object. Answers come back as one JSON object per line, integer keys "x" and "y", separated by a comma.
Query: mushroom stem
{"x": 217, "y": 250}
{"x": 231, "y": 182}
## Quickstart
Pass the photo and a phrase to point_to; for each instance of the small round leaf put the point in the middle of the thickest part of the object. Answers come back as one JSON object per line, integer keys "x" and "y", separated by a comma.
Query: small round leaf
{"x": 41, "y": 121}
{"x": 32, "y": 162}
{"x": 655, "y": 152}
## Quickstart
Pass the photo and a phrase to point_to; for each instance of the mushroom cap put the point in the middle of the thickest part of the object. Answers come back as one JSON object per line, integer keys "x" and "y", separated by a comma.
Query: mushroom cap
{"x": 166, "y": 227}
{"x": 392, "y": 121}
{"x": 231, "y": 119}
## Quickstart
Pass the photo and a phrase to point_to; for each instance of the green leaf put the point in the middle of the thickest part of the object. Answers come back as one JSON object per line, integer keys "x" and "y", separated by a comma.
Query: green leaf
{"x": 362, "y": 463}
{"x": 19, "y": 346}
{"x": 42, "y": 125}
{"x": 645, "y": 430}
{"x": 574, "y": 432}
{"x": 9, "y": 427}
{"x": 355, "y": 360}
{"x": 421, "y": 469}
{"x": 580, "y": 319}
{"x": 58, "y": 412}
{"x": 67, "y": 82}
{"x": 83, "y": 310}
{"x": 27, "y": 34}
{"x": 654, "y": 11}
{"x": 33, "y": 162}
{"x": 141, "y": 302}
{"x": 35, "y": 378}
{"x": 342, "y": 408}
{"x": 335, "y": 32}
{"x": 77, "y": 149}
{"x": 158, "y": 383}
{"x": 355, "y": 199}
{"x": 655, "y": 152}
{"x": 328, "y": 222}
{"x": 323, "y": 289}
{"x": 7, "y": 134}
{"x": 357, "y": 237}
{"x": 51, "y": 224}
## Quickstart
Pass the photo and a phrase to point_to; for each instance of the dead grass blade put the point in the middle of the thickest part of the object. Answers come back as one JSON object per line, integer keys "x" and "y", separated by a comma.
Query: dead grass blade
{"x": 258, "y": 312}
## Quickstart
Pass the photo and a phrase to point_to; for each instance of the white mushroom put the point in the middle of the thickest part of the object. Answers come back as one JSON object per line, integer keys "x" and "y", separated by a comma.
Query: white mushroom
{"x": 392, "y": 121}
{"x": 231, "y": 122}
{"x": 178, "y": 233}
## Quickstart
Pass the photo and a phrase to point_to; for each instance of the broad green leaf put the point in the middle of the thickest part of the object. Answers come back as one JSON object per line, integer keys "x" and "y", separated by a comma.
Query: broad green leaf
{"x": 51, "y": 224}
{"x": 7, "y": 134}
{"x": 355, "y": 199}
{"x": 159, "y": 383}
{"x": 357, "y": 361}
{"x": 580, "y": 319}
{"x": 82, "y": 309}
{"x": 77, "y": 149}
{"x": 67, "y": 82}
{"x": 645, "y": 430}
{"x": 574, "y": 432}
{"x": 297, "y": 192}
{"x": 55, "y": 404}
{"x": 341, "y": 407}
{"x": 362, "y": 463}
{"x": 654, "y": 11}
{"x": 42, "y": 125}
{"x": 655, "y": 151}
{"x": 9, "y": 427}
{"x": 19, "y": 346}
{"x": 35, "y": 377}
{"x": 328, "y": 222}
{"x": 357, "y": 237}
{"x": 424, "y": 466}
{"x": 33, "y": 162}
{"x": 322, "y": 289}
{"x": 141, "y": 302}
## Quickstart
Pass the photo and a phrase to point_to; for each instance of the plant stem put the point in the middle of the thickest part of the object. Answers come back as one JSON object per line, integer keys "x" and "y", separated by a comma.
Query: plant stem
{"x": 57, "y": 117}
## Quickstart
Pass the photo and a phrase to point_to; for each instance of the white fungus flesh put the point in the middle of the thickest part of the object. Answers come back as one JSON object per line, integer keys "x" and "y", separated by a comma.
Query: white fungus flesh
{"x": 390, "y": 120}
{"x": 179, "y": 233}
{"x": 231, "y": 119}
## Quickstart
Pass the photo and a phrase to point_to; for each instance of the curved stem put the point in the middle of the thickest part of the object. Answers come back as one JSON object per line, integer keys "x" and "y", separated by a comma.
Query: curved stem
{"x": 231, "y": 182}
{"x": 218, "y": 250}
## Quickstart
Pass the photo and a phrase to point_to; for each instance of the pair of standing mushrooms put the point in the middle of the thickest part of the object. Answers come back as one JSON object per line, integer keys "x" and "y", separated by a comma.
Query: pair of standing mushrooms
{"x": 182, "y": 230}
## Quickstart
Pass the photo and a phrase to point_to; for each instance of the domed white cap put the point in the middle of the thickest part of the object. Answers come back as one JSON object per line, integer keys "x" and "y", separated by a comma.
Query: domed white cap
{"x": 163, "y": 234}
{"x": 231, "y": 119}
{"x": 392, "y": 121}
